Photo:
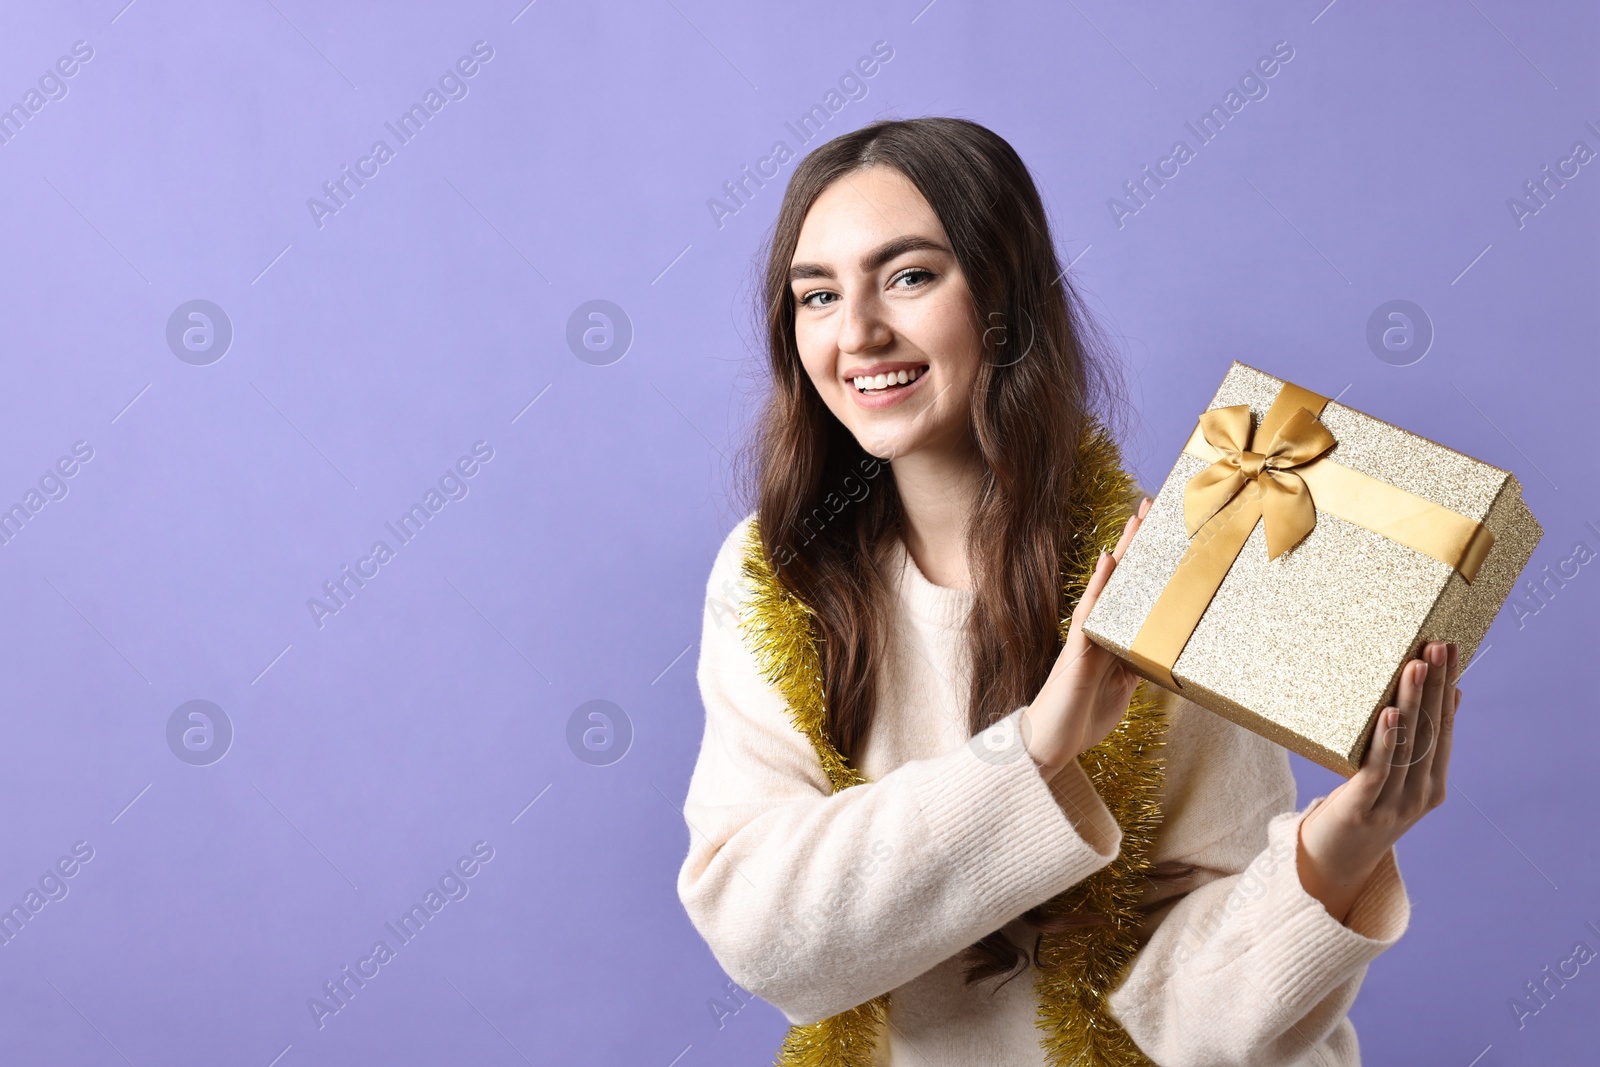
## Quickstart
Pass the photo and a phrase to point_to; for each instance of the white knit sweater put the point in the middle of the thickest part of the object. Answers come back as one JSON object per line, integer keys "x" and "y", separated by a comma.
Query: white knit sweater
{"x": 817, "y": 901}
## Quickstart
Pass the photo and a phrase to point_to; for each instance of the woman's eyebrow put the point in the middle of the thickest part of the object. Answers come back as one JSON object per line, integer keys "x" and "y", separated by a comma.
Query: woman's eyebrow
{"x": 896, "y": 246}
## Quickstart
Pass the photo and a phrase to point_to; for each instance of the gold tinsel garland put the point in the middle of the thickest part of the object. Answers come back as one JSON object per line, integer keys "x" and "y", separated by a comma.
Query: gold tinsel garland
{"x": 1083, "y": 965}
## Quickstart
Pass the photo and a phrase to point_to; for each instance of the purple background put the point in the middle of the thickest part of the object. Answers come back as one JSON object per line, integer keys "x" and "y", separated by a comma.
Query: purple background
{"x": 429, "y": 313}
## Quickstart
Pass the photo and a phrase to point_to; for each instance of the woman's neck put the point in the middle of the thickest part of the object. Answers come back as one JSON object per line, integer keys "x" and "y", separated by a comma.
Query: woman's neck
{"x": 938, "y": 493}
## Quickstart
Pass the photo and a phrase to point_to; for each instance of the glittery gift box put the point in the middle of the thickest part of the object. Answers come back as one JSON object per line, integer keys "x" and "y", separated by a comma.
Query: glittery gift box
{"x": 1307, "y": 647}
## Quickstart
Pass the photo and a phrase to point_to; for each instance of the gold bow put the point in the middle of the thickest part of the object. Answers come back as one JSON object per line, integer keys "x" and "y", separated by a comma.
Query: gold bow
{"x": 1287, "y": 511}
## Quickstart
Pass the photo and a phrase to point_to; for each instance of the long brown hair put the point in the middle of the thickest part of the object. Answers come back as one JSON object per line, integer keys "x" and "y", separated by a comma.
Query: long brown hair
{"x": 1045, "y": 371}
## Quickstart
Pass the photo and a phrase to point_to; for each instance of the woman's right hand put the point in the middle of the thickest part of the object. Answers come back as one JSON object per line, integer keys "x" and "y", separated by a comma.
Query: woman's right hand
{"x": 1089, "y": 689}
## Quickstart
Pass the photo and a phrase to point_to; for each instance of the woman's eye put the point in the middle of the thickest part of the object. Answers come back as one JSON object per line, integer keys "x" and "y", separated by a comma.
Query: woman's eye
{"x": 818, "y": 298}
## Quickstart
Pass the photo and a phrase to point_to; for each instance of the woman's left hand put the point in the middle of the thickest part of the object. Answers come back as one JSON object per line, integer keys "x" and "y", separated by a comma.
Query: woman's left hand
{"x": 1402, "y": 778}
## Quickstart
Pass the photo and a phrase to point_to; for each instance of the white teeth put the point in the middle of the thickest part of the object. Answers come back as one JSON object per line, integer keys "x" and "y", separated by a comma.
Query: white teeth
{"x": 877, "y": 382}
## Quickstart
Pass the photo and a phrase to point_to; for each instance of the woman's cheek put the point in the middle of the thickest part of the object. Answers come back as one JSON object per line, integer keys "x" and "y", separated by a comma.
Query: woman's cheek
{"x": 946, "y": 331}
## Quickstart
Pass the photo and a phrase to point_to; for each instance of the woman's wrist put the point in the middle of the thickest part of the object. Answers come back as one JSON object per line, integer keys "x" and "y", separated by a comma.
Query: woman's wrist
{"x": 1049, "y": 753}
{"x": 1335, "y": 890}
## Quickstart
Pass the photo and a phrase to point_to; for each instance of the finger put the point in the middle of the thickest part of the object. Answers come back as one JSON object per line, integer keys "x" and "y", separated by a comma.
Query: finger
{"x": 1419, "y": 777}
{"x": 1129, "y": 529}
{"x": 1367, "y": 783}
{"x": 1409, "y": 703}
{"x": 1434, "y": 690}
{"x": 1447, "y": 735}
{"x": 1437, "y": 653}
{"x": 1091, "y": 590}
{"x": 1104, "y": 565}
{"x": 1452, "y": 696}
{"x": 1077, "y": 645}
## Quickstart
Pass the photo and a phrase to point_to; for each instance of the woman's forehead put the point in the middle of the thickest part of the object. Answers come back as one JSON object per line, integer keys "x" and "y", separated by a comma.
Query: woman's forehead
{"x": 860, "y": 211}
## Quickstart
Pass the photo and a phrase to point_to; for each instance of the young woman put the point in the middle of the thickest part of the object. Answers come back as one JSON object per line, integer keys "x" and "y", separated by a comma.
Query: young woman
{"x": 917, "y": 775}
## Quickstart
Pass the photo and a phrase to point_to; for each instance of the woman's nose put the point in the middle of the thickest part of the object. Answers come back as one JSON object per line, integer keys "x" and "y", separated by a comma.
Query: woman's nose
{"x": 863, "y": 325}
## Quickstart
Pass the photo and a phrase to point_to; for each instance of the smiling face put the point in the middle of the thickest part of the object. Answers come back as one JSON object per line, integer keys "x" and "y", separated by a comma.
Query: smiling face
{"x": 878, "y": 294}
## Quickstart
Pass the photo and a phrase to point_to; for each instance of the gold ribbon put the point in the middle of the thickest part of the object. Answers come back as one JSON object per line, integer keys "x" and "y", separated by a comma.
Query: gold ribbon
{"x": 1280, "y": 476}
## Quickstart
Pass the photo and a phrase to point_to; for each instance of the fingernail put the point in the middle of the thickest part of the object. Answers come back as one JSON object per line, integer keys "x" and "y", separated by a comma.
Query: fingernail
{"x": 1144, "y": 506}
{"x": 1419, "y": 673}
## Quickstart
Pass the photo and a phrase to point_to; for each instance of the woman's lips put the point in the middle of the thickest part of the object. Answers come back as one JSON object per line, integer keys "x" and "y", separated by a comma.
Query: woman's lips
{"x": 889, "y": 397}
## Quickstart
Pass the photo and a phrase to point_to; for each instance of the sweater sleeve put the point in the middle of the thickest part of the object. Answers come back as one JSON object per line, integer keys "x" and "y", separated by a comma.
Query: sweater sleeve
{"x": 1248, "y": 969}
{"x": 819, "y": 901}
